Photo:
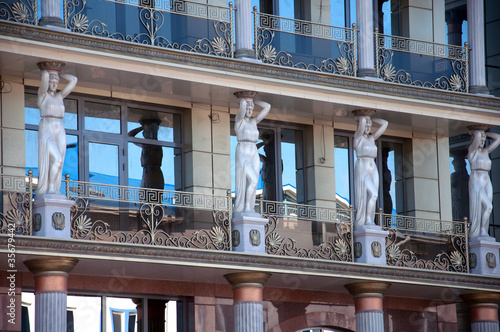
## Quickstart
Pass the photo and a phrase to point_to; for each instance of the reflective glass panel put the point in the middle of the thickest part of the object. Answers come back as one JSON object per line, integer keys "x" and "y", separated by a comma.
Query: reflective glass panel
{"x": 84, "y": 313}
{"x": 154, "y": 125}
{"x": 459, "y": 180}
{"x": 293, "y": 166}
{"x": 392, "y": 178}
{"x": 103, "y": 163}
{"x": 32, "y": 113}
{"x": 153, "y": 166}
{"x": 102, "y": 117}
{"x": 121, "y": 314}
{"x": 31, "y": 137}
{"x": 266, "y": 187}
{"x": 342, "y": 184}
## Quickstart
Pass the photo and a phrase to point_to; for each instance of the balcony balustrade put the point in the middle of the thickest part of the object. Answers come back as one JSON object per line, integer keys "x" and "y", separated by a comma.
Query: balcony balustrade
{"x": 426, "y": 243}
{"x": 163, "y": 218}
{"x": 207, "y": 29}
{"x": 180, "y": 25}
{"x": 305, "y": 45}
{"x": 419, "y": 63}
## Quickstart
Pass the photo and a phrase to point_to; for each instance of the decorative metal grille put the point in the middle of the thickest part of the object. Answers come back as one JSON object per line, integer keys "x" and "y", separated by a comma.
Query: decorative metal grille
{"x": 425, "y": 233}
{"x": 449, "y": 72}
{"x": 151, "y": 23}
{"x": 17, "y": 207}
{"x": 153, "y": 214}
{"x": 342, "y": 40}
{"x": 337, "y": 246}
{"x": 22, "y": 11}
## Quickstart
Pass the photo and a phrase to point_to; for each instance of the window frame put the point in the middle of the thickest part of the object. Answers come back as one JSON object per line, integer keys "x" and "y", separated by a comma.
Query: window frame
{"x": 85, "y": 136}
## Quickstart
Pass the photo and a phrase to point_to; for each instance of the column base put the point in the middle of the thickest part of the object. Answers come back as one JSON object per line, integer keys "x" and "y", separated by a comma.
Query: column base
{"x": 479, "y": 89}
{"x": 51, "y": 21}
{"x": 484, "y": 252}
{"x": 249, "y": 233}
{"x": 245, "y": 53}
{"x": 367, "y": 72}
{"x": 369, "y": 245}
{"x": 52, "y": 216}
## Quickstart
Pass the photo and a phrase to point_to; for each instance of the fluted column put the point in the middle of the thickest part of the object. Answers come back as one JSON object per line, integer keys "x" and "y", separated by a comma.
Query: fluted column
{"x": 483, "y": 311}
{"x": 247, "y": 293}
{"x": 366, "y": 45}
{"x": 477, "y": 60}
{"x": 368, "y": 305}
{"x": 51, "y": 13}
{"x": 51, "y": 289}
{"x": 244, "y": 27}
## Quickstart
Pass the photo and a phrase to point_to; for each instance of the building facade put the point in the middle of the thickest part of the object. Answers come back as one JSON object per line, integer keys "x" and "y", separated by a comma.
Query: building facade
{"x": 141, "y": 235}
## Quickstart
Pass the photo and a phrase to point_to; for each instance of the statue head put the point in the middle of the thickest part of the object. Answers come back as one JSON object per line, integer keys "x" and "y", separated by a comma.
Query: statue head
{"x": 150, "y": 128}
{"x": 53, "y": 81}
{"x": 368, "y": 126}
{"x": 250, "y": 107}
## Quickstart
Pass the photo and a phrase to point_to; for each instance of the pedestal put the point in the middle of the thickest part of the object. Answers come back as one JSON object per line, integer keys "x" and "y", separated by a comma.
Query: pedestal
{"x": 484, "y": 252}
{"x": 52, "y": 216}
{"x": 369, "y": 244}
{"x": 249, "y": 233}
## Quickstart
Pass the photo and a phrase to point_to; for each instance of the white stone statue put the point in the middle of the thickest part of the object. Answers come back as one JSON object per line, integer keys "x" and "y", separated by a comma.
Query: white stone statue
{"x": 366, "y": 178}
{"x": 51, "y": 134}
{"x": 247, "y": 157}
{"x": 480, "y": 188}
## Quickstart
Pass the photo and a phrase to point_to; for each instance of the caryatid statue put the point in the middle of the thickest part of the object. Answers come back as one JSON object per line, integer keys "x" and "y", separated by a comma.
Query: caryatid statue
{"x": 480, "y": 188}
{"x": 247, "y": 157}
{"x": 51, "y": 134}
{"x": 366, "y": 178}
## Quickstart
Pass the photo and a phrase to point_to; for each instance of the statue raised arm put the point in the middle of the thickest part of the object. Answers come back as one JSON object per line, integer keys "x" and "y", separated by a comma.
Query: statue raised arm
{"x": 51, "y": 134}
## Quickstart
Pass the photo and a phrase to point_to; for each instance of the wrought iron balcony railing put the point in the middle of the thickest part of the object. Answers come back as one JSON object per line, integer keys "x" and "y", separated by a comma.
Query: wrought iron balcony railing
{"x": 305, "y": 45}
{"x": 308, "y": 231}
{"x": 20, "y": 11}
{"x": 407, "y": 61}
{"x": 181, "y": 25}
{"x": 426, "y": 243}
{"x": 191, "y": 220}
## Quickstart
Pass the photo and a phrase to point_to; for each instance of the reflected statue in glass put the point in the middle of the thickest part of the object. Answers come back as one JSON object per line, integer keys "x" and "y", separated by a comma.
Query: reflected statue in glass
{"x": 366, "y": 178}
{"x": 51, "y": 133}
{"x": 480, "y": 188}
{"x": 151, "y": 155}
{"x": 247, "y": 157}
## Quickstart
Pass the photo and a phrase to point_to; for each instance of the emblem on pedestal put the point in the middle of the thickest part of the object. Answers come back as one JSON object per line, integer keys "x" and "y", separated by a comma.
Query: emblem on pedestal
{"x": 58, "y": 221}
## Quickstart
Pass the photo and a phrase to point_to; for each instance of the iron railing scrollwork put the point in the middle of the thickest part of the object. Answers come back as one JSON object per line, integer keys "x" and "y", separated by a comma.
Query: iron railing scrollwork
{"x": 16, "y": 215}
{"x": 154, "y": 211}
{"x": 318, "y": 47}
{"x": 419, "y": 63}
{"x": 21, "y": 11}
{"x": 412, "y": 242}
{"x": 165, "y": 24}
{"x": 321, "y": 233}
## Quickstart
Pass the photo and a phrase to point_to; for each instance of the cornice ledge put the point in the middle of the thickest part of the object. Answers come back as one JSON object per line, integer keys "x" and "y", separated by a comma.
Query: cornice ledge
{"x": 81, "y": 249}
{"x": 41, "y": 34}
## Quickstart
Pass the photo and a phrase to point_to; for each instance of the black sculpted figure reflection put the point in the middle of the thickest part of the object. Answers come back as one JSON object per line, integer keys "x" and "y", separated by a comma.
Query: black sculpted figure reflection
{"x": 366, "y": 178}
{"x": 247, "y": 157}
{"x": 51, "y": 134}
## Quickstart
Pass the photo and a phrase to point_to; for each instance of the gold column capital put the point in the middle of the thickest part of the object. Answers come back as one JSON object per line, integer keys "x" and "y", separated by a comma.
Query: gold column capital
{"x": 367, "y": 288}
{"x": 364, "y": 111}
{"x": 247, "y": 278}
{"x": 481, "y": 298}
{"x": 51, "y": 265}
